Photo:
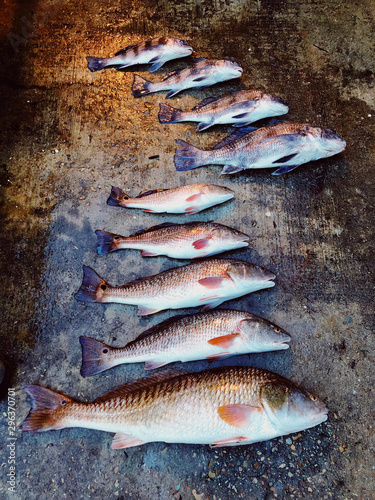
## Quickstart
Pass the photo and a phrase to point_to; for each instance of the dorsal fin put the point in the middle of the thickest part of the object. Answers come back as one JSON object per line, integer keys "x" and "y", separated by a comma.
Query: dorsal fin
{"x": 126, "y": 389}
{"x": 151, "y": 191}
{"x": 125, "y": 49}
{"x": 207, "y": 100}
{"x": 238, "y": 134}
{"x": 154, "y": 228}
{"x": 158, "y": 327}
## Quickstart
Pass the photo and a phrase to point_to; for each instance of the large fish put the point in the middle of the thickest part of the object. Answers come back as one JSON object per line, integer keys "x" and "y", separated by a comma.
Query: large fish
{"x": 285, "y": 145}
{"x": 239, "y": 109}
{"x": 206, "y": 283}
{"x": 222, "y": 407}
{"x": 180, "y": 241}
{"x": 201, "y": 74}
{"x": 188, "y": 199}
{"x": 211, "y": 335}
{"x": 156, "y": 52}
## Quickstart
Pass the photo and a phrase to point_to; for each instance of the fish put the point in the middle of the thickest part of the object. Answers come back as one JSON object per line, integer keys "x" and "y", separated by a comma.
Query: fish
{"x": 221, "y": 407}
{"x": 189, "y": 199}
{"x": 206, "y": 335}
{"x": 191, "y": 240}
{"x": 239, "y": 109}
{"x": 284, "y": 145}
{"x": 206, "y": 283}
{"x": 156, "y": 51}
{"x": 201, "y": 74}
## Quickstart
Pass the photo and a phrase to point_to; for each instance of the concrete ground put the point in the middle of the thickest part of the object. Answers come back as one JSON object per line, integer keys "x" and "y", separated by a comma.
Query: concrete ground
{"x": 69, "y": 135}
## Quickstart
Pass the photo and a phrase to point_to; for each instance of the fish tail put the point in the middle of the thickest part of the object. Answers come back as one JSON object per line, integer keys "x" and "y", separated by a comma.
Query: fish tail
{"x": 140, "y": 86}
{"x": 44, "y": 414}
{"x": 95, "y": 356}
{"x": 95, "y": 63}
{"x": 107, "y": 242}
{"x": 117, "y": 197}
{"x": 168, "y": 114}
{"x": 92, "y": 288}
{"x": 187, "y": 156}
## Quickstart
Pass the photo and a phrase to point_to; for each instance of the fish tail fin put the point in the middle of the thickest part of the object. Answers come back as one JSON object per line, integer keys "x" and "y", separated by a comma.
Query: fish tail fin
{"x": 92, "y": 288}
{"x": 107, "y": 242}
{"x": 168, "y": 114}
{"x": 187, "y": 156}
{"x": 44, "y": 414}
{"x": 95, "y": 63}
{"x": 117, "y": 197}
{"x": 95, "y": 356}
{"x": 140, "y": 86}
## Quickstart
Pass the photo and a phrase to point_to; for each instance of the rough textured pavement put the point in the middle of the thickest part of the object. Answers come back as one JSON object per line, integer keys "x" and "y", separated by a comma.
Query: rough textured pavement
{"x": 69, "y": 135}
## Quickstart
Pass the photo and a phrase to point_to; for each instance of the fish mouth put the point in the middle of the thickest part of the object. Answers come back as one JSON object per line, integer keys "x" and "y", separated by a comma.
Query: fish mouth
{"x": 322, "y": 416}
{"x": 283, "y": 344}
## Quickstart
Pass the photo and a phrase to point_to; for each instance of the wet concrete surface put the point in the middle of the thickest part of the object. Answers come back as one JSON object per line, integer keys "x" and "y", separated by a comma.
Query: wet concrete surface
{"x": 69, "y": 135}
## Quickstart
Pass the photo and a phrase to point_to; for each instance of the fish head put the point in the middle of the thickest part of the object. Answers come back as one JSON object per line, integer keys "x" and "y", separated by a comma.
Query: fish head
{"x": 219, "y": 193}
{"x": 327, "y": 141}
{"x": 264, "y": 335}
{"x": 290, "y": 408}
{"x": 180, "y": 47}
{"x": 230, "y": 235}
{"x": 275, "y": 106}
{"x": 230, "y": 68}
{"x": 247, "y": 276}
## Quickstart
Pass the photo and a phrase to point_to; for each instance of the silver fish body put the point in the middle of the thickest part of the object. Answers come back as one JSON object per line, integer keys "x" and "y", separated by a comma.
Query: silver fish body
{"x": 201, "y": 74}
{"x": 206, "y": 283}
{"x": 188, "y": 199}
{"x": 155, "y": 51}
{"x": 206, "y": 335}
{"x": 180, "y": 241}
{"x": 285, "y": 145}
{"x": 222, "y": 407}
{"x": 239, "y": 109}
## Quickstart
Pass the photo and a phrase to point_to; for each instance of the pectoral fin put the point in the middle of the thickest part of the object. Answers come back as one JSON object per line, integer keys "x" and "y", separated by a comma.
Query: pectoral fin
{"x": 212, "y": 282}
{"x": 194, "y": 197}
{"x": 225, "y": 341}
{"x": 237, "y": 415}
{"x": 125, "y": 441}
{"x": 202, "y": 243}
{"x": 156, "y": 64}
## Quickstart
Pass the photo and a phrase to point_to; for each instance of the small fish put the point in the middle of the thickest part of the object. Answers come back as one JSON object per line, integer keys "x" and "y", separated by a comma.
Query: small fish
{"x": 222, "y": 407}
{"x": 206, "y": 283}
{"x": 239, "y": 109}
{"x": 156, "y": 52}
{"x": 189, "y": 199}
{"x": 201, "y": 74}
{"x": 285, "y": 145}
{"x": 211, "y": 335}
{"x": 192, "y": 240}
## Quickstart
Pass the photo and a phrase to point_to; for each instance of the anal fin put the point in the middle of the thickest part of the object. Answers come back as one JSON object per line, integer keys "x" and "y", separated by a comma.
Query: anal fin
{"x": 230, "y": 442}
{"x": 121, "y": 440}
{"x": 285, "y": 169}
{"x": 231, "y": 169}
{"x": 152, "y": 365}
{"x": 145, "y": 311}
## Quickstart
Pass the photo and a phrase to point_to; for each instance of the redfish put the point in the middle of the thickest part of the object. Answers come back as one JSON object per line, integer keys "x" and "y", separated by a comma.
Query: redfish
{"x": 205, "y": 335}
{"x": 191, "y": 240}
{"x": 206, "y": 283}
{"x": 222, "y": 407}
{"x": 188, "y": 199}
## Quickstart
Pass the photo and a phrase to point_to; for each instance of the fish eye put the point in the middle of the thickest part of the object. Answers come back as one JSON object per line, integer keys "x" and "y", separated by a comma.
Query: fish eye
{"x": 126, "y": 197}
{"x": 276, "y": 329}
{"x": 105, "y": 350}
{"x": 313, "y": 398}
{"x": 63, "y": 402}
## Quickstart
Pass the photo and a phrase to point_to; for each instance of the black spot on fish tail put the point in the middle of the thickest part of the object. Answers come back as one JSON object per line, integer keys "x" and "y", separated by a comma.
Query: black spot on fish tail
{"x": 284, "y": 159}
